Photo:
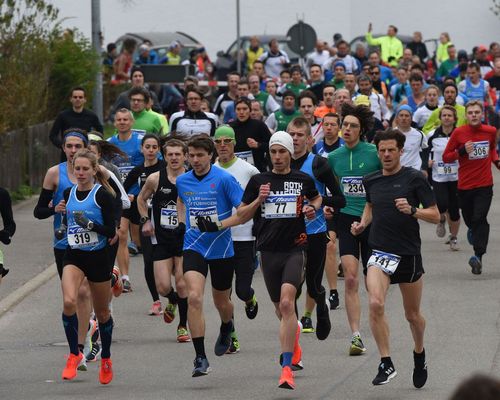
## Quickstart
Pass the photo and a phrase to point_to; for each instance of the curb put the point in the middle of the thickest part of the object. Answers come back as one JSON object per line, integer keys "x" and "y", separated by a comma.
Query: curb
{"x": 19, "y": 294}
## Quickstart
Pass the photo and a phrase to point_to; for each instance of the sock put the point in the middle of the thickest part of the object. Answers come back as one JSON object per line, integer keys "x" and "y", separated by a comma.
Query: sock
{"x": 356, "y": 333}
{"x": 70, "y": 324}
{"x": 172, "y": 297}
{"x": 333, "y": 291}
{"x": 106, "y": 330}
{"x": 297, "y": 337}
{"x": 307, "y": 314}
{"x": 226, "y": 327}
{"x": 81, "y": 347}
{"x": 183, "y": 311}
{"x": 287, "y": 359}
{"x": 386, "y": 360}
{"x": 419, "y": 358}
{"x": 125, "y": 278}
{"x": 199, "y": 346}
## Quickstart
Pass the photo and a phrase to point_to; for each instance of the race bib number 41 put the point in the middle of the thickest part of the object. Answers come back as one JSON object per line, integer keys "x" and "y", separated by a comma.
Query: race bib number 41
{"x": 480, "y": 150}
{"x": 207, "y": 213}
{"x": 353, "y": 186}
{"x": 387, "y": 262}
{"x": 280, "y": 206}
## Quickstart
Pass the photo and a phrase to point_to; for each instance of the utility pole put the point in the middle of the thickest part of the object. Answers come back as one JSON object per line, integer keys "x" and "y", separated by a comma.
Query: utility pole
{"x": 238, "y": 57}
{"x": 96, "y": 44}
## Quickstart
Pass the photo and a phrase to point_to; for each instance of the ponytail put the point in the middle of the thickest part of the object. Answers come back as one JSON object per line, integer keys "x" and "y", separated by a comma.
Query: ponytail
{"x": 86, "y": 153}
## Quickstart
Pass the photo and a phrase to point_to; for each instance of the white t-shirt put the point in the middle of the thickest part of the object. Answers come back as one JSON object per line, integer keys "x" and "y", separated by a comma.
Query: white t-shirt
{"x": 415, "y": 142}
{"x": 421, "y": 116}
{"x": 242, "y": 171}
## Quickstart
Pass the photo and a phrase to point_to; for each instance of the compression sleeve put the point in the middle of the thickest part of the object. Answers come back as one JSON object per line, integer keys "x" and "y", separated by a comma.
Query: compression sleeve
{"x": 42, "y": 209}
{"x": 132, "y": 177}
{"x": 9, "y": 226}
{"x": 117, "y": 201}
{"x": 323, "y": 173}
{"x": 105, "y": 200}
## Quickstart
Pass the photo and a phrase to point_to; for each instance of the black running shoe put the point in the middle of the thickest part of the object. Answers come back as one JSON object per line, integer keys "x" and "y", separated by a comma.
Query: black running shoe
{"x": 223, "y": 342}
{"x": 476, "y": 265}
{"x": 419, "y": 371}
{"x": 386, "y": 372}
{"x": 201, "y": 366}
{"x": 252, "y": 308}
{"x": 323, "y": 325}
{"x": 333, "y": 299}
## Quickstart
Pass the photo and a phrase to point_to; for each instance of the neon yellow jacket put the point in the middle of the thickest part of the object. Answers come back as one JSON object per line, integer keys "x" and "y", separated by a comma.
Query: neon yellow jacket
{"x": 442, "y": 52}
{"x": 433, "y": 122}
{"x": 389, "y": 47}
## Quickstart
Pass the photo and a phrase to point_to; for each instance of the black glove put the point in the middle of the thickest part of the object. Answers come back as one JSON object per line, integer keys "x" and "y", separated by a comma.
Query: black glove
{"x": 81, "y": 219}
{"x": 5, "y": 237}
{"x": 60, "y": 232}
{"x": 180, "y": 230}
{"x": 3, "y": 271}
{"x": 205, "y": 225}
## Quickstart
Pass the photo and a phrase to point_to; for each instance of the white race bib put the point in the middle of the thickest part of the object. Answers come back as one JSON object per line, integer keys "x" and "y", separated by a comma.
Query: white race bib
{"x": 447, "y": 168}
{"x": 353, "y": 186}
{"x": 387, "y": 262}
{"x": 168, "y": 217}
{"x": 80, "y": 237}
{"x": 246, "y": 155}
{"x": 481, "y": 150}
{"x": 124, "y": 171}
{"x": 280, "y": 206}
{"x": 207, "y": 213}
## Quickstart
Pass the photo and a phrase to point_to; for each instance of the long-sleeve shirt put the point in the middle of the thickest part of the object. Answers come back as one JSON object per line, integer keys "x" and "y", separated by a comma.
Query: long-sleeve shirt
{"x": 474, "y": 169}
{"x": 390, "y": 47}
{"x": 9, "y": 226}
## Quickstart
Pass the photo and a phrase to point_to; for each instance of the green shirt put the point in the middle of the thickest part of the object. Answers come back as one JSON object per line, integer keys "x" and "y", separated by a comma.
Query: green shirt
{"x": 445, "y": 68}
{"x": 282, "y": 119}
{"x": 338, "y": 84}
{"x": 147, "y": 122}
{"x": 350, "y": 166}
{"x": 262, "y": 99}
{"x": 296, "y": 88}
{"x": 433, "y": 122}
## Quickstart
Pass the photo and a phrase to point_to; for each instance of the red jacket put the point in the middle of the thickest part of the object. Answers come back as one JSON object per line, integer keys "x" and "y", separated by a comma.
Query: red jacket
{"x": 474, "y": 169}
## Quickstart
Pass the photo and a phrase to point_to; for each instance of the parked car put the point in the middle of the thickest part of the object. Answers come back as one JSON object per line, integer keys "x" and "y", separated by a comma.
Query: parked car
{"x": 160, "y": 42}
{"x": 226, "y": 60}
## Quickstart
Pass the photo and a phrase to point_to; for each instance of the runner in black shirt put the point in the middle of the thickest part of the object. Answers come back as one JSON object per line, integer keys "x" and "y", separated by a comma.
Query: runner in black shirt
{"x": 392, "y": 198}
{"x": 276, "y": 199}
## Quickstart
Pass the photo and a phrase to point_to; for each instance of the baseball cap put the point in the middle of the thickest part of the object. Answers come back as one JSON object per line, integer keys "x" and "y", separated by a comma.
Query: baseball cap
{"x": 283, "y": 139}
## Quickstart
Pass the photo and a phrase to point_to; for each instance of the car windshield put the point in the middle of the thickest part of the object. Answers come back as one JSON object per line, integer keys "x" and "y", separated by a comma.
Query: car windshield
{"x": 245, "y": 44}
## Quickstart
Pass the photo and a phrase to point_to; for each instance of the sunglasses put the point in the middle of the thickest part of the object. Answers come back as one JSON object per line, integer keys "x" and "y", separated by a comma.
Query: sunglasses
{"x": 223, "y": 141}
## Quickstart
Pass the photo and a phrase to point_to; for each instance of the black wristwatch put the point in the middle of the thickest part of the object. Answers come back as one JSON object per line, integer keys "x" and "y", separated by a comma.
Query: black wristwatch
{"x": 143, "y": 220}
{"x": 413, "y": 210}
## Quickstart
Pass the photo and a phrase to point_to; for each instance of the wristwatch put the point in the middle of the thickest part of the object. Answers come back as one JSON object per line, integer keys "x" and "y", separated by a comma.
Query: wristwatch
{"x": 413, "y": 210}
{"x": 144, "y": 219}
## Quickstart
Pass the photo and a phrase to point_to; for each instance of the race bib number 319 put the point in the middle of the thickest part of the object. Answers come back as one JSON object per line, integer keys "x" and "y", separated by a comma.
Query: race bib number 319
{"x": 387, "y": 262}
{"x": 79, "y": 237}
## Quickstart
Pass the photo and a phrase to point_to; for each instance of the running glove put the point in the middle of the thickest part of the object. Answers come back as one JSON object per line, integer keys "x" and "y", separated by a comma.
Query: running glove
{"x": 60, "y": 232}
{"x": 180, "y": 230}
{"x": 205, "y": 225}
{"x": 82, "y": 220}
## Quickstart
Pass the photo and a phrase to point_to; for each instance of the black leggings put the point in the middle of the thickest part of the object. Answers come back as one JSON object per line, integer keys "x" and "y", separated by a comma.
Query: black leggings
{"x": 475, "y": 204}
{"x": 447, "y": 198}
{"x": 315, "y": 265}
{"x": 244, "y": 267}
{"x": 149, "y": 272}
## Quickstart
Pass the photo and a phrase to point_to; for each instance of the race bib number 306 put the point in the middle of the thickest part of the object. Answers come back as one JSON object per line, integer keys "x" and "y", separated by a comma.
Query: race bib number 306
{"x": 353, "y": 186}
{"x": 280, "y": 206}
{"x": 480, "y": 150}
{"x": 387, "y": 262}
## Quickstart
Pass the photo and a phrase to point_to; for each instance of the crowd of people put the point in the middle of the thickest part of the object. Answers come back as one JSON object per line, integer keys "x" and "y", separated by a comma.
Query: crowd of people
{"x": 284, "y": 169}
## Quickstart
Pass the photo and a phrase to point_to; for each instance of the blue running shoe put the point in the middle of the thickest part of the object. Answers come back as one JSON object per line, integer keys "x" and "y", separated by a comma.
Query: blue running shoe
{"x": 201, "y": 367}
{"x": 476, "y": 265}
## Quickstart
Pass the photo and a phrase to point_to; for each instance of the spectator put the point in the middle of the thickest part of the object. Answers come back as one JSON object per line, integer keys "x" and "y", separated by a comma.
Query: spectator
{"x": 391, "y": 48}
{"x": 144, "y": 56}
{"x": 274, "y": 59}
{"x": 418, "y": 47}
{"x": 123, "y": 62}
{"x": 319, "y": 56}
{"x": 442, "y": 49}
{"x": 482, "y": 60}
{"x": 255, "y": 50}
{"x": 173, "y": 56}
{"x": 448, "y": 65}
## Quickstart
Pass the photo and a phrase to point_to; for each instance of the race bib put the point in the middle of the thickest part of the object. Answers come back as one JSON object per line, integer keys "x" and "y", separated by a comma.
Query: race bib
{"x": 207, "y": 213}
{"x": 387, "y": 262}
{"x": 124, "y": 171}
{"x": 353, "y": 186}
{"x": 168, "y": 217}
{"x": 447, "y": 168}
{"x": 79, "y": 237}
{"x": 246, "y": 156}
{"x": 481, "y": 150}
{"x": 280, "y": 206}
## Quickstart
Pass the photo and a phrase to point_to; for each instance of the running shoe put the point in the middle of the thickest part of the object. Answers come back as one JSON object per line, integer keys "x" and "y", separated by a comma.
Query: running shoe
{"x": 183, "y": 335}
{"x": 87, "y": 348}
{"x": 454, "y": 244}
{"x": 385, "y": 374}
{"x": 106, "y": 371}
{"x": 340, "y": 272}
{"x": 235, "y": 344}
{"x": 169, "y": 313}
{"x": 3, "y": 271}
{"x": 201, "y": 367}
{"x": 127, "y": 287}
{"x": 476, "y": 265}
{"x": 155, "y": 308}
{"x": 252, "y": 308}
{"x": 419, "y": 372}
{"x": 69, "y": 371}
{"x": 116, "y": 282}
{"x": 307, "y": 324}
{"x": 132, "y": 249}
{"x": 448, "y": 240}
{"x": 323, "y": 324}
{"x": 357, "y": 347}
{"x": 333, "y": 299}
{"x": 441, "y": 229}
{"x": 94, "y": 354}
{"x": 82, "y": 366}
{"x": 286, "y": 379}
{"x": 223, "y": 342}
{"x": 469, "y": 236}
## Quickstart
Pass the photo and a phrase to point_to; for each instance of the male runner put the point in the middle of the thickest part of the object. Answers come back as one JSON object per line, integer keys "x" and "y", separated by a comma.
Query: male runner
{"x": 393, "y": 196}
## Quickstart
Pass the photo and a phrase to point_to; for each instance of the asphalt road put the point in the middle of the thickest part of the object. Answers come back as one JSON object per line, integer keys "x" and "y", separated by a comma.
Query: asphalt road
{"x": 462, "y": 337}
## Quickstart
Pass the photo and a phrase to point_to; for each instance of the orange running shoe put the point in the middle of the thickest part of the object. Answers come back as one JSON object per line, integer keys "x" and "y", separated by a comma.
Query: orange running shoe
{"x": 116, "y": 282}
{"x": 297, "y": 352}
{"x": 69, "y": 371}
{"x": 106, "y": 371}
{"x": 286, "y": 379}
